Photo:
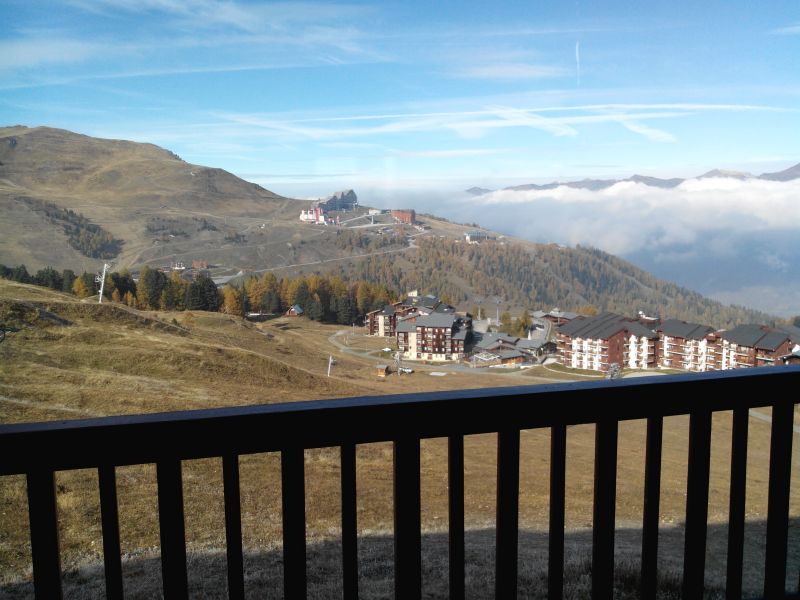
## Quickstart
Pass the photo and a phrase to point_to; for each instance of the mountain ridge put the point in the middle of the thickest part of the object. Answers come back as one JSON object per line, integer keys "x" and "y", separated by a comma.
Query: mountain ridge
{"x": 162, "y": 210}
{"x": 787, "y": 174}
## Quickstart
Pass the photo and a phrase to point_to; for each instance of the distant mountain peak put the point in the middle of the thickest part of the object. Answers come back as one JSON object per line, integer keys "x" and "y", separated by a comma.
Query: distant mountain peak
{"x": 785, "y": 175}
{"x": 478, "y": 191}
{"x": 726, "y": 174}
{"x": 600, "y": 184}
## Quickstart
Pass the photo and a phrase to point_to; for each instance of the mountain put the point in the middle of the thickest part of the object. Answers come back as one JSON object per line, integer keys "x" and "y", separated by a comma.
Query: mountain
{"x": 72, "y": 202}
{"x": 785, "y": 175}
{"x": 477, "y": 191}
{"x": 741, "y": 175}
{"x": 600, "y": 184}
{"x": 148, "y": 199}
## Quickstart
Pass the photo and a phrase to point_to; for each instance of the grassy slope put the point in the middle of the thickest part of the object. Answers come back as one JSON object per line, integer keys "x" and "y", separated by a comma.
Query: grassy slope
{"x": 113, "y": 361}
{"x": 123, "y": 186}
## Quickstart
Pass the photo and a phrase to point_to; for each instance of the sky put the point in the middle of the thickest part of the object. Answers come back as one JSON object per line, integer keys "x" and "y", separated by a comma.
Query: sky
{"x": 409, "y": 103}
{"x": 303, "y": 97}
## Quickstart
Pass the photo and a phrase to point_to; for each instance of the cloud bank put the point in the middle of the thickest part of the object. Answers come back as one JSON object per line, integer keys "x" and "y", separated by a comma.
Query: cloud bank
{"x": 629, "y": 217}
{"x": 737, "y": 241}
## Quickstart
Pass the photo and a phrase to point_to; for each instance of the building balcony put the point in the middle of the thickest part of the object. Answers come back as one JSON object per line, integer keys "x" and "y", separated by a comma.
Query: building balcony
{"x": 40, "y": 450}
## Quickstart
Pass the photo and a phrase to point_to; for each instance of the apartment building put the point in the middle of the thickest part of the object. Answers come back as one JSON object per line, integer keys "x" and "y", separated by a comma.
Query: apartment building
{"x": 598, "y": 342}
{"x": 754, "y": 346}
{"x": 688, "y": 346}
{"x": 437, "y": 337}
{"x": 383, "y": 321}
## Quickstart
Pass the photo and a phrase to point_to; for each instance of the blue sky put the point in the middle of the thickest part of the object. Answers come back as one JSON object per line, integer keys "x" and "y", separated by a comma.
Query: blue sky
{"x": 308, "y": 97}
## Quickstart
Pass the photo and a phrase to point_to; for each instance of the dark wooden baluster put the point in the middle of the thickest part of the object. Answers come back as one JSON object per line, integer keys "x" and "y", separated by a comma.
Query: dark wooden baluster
{"x": 507, "y": 514}
{"x": 109, "y": 514}
{"x": 43, "y": 514}
{"x": 294, "y": 523}
{"x": 605, "y": 496}
{"x": 349, "y": 523}
{"x": 652, "y": 506}
{"x": 694, "y": 554}
{"x": 455, "y": 496}
{"x": 233, "y": 526}
{"x": 558, "y": 464}
{"x": 733, "y": 588}
{"x": 173, "y": 529}
{"x": 780, "y": 464}
{"x": 407, "y": 540}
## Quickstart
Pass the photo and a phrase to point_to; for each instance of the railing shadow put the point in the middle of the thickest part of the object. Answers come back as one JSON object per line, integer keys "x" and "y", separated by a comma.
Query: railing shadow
{"x": 263, "y": 570}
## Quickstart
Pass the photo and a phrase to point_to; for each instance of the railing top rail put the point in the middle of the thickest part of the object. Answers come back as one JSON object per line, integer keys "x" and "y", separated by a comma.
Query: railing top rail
{"x": 147, "y": 438}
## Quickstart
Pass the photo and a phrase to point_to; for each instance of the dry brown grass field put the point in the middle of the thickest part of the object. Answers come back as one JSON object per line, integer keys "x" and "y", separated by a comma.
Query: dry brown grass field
{"x": 71, "y": 359}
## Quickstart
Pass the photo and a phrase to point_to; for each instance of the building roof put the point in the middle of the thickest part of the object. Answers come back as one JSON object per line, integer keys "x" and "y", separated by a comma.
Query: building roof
{"x": 682, "y": 329}
{"x": 405, "y": 326}
{"x": 604, "y": 326}
{"x": 755, "y": 336}
{"x": 510, "y": 354}
{"x": 461, "y": 334}
{"x": 388, "y": 310}
{"x": 424, "y": 301}
{"x": 794, "y": 332}
{"x": 436, "y": 320}
{"x": 491, "y": 339}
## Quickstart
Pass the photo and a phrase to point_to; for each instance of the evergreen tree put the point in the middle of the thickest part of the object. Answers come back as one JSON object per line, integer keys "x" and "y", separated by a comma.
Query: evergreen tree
{"x": 21, "y": 275}
{"x": 148, "y": 291}
{"x": 48, "y": 277}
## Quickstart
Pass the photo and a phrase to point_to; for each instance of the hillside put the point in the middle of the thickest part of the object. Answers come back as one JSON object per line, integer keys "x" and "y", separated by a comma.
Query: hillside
{"x": 142, "y": 194}
{"x": 71, "y": 201}
{"x": 525, "y": 275}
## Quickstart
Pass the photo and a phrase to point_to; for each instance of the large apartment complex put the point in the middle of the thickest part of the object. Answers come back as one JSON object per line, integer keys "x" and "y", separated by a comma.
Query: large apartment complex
{"x": 598, "y": 342}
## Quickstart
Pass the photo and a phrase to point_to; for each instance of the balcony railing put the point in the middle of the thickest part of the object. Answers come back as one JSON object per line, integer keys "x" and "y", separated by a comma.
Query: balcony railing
{"x": 38, "y": 450}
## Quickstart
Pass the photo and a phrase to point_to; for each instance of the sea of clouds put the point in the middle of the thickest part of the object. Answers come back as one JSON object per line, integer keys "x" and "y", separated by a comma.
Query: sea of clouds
{"x": 735, "y": 240}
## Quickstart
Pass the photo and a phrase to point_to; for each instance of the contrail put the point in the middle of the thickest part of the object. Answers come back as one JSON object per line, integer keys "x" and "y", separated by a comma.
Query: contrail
{"x": 578, "y": 61}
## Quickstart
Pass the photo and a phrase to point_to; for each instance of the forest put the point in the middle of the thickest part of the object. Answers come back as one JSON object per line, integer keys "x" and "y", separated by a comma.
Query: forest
{"x": 87, "y": 238}
{"x": 329, "y": 299}
{"x": 581, "y": 279}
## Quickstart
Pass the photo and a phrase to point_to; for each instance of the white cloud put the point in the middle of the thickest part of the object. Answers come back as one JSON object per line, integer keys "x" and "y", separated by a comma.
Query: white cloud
{"x": 451, "y": 153}
{"x": 510, "y": 71}
{"x": 788, "y": 30}
{"x": 629, "y": 217}
{"x": 651, "y": 133}
{"x": 16, "y": 54}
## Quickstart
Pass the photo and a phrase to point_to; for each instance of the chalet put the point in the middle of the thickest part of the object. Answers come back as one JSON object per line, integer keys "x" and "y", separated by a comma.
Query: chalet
{"x": 753, "y": 346}
{"x": 556, "y": 316}
{"x": 688, "y": 346}
{"x": 407, "y": 216}
{"x": 315, "y": 215}
{"x": 438, "y": 336}
{"x": 598, "y": 342}
{"x": 476, "y": 237}
{"x": 294, "y": 311}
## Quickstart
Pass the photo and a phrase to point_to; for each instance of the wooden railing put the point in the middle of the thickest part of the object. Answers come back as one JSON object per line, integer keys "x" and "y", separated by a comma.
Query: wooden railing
{"x": 38, "y": 450}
